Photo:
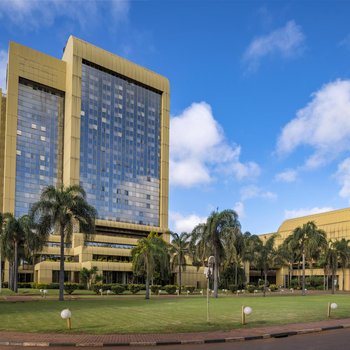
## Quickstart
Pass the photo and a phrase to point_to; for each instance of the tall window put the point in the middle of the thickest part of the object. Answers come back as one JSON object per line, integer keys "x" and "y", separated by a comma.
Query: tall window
{"x": 120, "y": 147}
{"x": 40, "y": 116}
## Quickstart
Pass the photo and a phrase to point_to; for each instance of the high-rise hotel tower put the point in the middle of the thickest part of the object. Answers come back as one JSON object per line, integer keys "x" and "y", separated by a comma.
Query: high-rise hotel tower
{"x": 93, "y": 119}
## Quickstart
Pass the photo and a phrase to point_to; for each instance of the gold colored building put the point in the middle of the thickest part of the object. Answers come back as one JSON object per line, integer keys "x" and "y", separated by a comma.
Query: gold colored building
{"x": 94, "y": 119}
{"x": 335, "y": 223}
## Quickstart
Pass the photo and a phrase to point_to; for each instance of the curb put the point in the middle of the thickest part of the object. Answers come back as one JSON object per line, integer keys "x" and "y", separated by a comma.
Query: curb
{"x": 175, "y": 342}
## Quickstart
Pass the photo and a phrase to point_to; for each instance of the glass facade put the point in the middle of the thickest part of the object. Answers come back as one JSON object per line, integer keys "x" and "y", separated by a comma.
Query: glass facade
{"x": 39, "y": 111}
{"x": 120, "y": 147}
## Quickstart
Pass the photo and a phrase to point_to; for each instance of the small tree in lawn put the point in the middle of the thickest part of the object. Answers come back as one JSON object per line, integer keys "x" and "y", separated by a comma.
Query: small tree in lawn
{"x": 60, "y": 208}
{"x": 89, "y": 276}
{"x": 148, "y": 253}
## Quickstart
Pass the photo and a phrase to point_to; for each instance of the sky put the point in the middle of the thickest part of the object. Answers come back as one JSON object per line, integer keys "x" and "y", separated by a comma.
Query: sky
{"x": 260, "y": 95}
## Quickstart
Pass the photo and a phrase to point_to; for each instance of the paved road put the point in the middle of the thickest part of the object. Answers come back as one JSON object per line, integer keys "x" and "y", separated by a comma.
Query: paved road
{"x": 336, "y": 339}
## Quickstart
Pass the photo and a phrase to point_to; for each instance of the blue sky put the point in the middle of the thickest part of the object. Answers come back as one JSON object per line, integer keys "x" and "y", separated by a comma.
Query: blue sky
{"x": 260, "y": 95}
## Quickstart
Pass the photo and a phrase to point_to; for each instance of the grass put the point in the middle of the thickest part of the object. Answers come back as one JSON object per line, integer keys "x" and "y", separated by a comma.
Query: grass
{"x": 162, "y": 314}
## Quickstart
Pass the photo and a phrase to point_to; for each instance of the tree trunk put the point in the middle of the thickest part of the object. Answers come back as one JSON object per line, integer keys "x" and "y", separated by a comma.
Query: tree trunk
{"x": 265, "y": 283}
{"x": 343, "y": 280}
{"x": 61, "y": 277}
{"x": 10, "y": 275}
{"x": 303, "y": 279}
{"x": 236, "y": 273}
{"x": 180, "y": 279}
{"x": 15, "y": 268}
{"x": 147, "y": 284}
{"x": 216, "y": 276}
{"x": 333, "y": 280}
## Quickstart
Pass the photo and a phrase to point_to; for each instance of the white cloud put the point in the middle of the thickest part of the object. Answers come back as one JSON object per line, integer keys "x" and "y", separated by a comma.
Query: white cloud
{"x": 290, "y": 214}
{"x": 345, "y": 42}
{"x": 239, "y": 209}
{"x": 253, "y": 191}
{"x": 3, "y": 68}
{"x": 34, "y": 14}
{"x": 287, "y": 42}
{"x": 343, "y": 177}
{"x": 324, "y": 125}
{"x": 288, "y": 175}
{"x": 180, "y": 223}
{"x": 198, "y": 149}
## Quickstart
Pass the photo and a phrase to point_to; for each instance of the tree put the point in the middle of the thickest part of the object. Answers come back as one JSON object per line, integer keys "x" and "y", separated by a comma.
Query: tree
{"x": 310, "y": 241}
{"x": 343, "y": 252}
{"x": 89, "y": 276}
{"x": 289, "y": 254}
{"x": 148, "y": 253}
{"x": 211, "y": 238}
{"x": 20, "y": 239}
{"x": 332, "y": 261}
{"x": 179, "y": 250}
{"x": 61, "y": 209}
{"x": 248, "y": 249}
{"x": 265, "y": 256}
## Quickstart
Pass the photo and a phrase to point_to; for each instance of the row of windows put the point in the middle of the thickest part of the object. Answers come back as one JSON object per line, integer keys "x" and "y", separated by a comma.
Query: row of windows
{"x": 111, "y": 258}
{"x": 109, "y": 245}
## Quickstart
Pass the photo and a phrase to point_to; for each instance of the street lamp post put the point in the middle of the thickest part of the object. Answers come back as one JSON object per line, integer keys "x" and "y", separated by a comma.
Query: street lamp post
{"x": 208, "y": 273}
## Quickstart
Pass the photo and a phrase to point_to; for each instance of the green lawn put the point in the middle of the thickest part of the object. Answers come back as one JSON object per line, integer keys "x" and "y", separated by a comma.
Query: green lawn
{"x": 163, "y": 314}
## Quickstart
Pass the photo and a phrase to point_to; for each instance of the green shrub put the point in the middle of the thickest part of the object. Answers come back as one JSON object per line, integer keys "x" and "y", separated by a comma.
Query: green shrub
{"x": 191, "y": 289}
{"x": 170, "y": 289}
{"x": 250, "y": 288}
{"x": 53, "y": 286}
{"x": 233, "y": 288}
{"x": 294, "y": 284}
{"x": 155, "y": 288}
{"x": 39, "y": 285}
{"x": 117, "y": 289}
{"x": 314, "y": 281}
{"x": 134, "y": 288}
{"x": 273, "y": 287}
{"x": 97, "y": 287}
{"x": 24, "y": 285}
{"x": 69, "y": 288}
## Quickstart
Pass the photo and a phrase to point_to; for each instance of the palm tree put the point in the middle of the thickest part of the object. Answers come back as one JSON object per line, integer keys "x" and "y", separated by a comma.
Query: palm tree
{"x": 211, "y": 238}
{"x": 265, "y": 256}
{"x": 248, "y": 249}
{"x": 332, "y": 261}
{"x": 289, "y": 253}
{"x": 150, "y": 252}
{"x": 343, "y": 251}
{"x": 234, "y": 252}
{"x": 310, "y": 240}
{"x": 20, "y": 239}
{"x": 61, "y": 209}
{"x": 179, "y": 250}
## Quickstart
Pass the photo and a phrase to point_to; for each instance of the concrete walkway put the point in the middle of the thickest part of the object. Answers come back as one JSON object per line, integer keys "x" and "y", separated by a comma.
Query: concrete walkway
{"x": 39, "y": 339}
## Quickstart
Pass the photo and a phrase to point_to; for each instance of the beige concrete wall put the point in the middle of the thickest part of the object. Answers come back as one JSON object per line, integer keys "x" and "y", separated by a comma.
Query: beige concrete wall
{"x": 35, "y": 66}
{"x": 2, "y": 144}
